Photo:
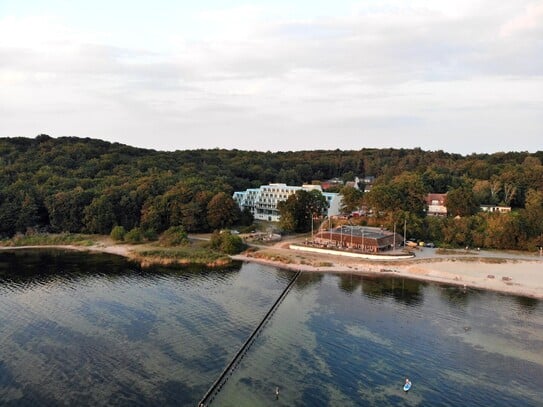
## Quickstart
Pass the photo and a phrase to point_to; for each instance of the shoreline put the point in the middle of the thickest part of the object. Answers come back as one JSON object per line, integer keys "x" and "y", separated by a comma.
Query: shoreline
{"x": 522, "y": 277}
{"x": 509, "y": 275}
{"x": 122, "y": 250}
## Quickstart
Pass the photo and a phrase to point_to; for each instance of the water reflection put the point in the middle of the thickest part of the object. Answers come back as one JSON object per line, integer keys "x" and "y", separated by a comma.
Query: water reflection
{"x": 306, "y": 280}
{"x": 409, "y": 292}
{"x": 349, "y": 283}
{"x": 327, "y": 346}
{"x": 85, "y": 329}
{"x": 527, "y": 304}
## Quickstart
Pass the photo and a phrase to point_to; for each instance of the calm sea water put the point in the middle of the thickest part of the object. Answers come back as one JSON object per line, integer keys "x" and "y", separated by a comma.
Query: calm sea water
{"x": 351, "y": 341}
{"x": 81, "y": 329}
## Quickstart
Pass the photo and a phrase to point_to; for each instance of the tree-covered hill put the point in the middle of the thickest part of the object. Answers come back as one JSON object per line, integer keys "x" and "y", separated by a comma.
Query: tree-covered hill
{"x": 87, "y": 185}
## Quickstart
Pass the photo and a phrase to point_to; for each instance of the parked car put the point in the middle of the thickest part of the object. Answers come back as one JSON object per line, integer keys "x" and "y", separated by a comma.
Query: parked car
{"x": 430, "y": 244}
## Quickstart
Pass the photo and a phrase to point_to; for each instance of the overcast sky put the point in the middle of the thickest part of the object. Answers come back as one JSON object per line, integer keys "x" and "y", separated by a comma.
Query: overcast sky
{"x": 461, "y": 76}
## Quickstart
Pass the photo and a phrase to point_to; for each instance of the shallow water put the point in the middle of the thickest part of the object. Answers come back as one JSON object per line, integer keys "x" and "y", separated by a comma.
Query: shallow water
{"x": 84, "y": 329}
{"x": 350, "y": 341}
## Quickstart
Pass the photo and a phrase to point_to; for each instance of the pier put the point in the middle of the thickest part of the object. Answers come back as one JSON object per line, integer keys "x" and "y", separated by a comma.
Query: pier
{"x": 229, "y": 369}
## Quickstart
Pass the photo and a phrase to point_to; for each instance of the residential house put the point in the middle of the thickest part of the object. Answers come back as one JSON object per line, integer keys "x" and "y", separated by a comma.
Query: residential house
{"x": 495, "y": 208}
{"x": 435, "y": 204}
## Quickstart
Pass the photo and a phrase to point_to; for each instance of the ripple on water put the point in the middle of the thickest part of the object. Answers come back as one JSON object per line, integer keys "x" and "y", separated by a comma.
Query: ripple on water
{"x": 340, "y": 342}
{"x": 90, "y": 330}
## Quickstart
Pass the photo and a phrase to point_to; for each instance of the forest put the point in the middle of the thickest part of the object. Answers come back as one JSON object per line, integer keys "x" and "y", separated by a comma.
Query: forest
{"x": 87, "y": 185}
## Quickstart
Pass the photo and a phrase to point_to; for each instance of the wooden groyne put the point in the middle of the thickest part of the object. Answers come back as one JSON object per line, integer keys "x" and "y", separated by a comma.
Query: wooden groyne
{"x": 228, "y": 370}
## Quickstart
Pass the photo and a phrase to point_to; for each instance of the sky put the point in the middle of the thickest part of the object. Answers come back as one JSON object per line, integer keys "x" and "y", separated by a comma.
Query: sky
{"x": 463, "y": 76}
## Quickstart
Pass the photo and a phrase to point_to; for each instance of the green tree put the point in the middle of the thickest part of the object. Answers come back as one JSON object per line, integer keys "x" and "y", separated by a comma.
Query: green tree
{"x": 134, "y": 236}
{"x": 300, "y": 208}
{"x": 222, "y": 211}
{"x": 433, "y": 227}
{"x": 28, "y": 214}
{"x": 154, "y": 214}
{"x": 533, "y": 213}
{"x": 9, "y": 213}
{"x": 411, "y": 192}
{"x": 117, "y": 233}
{"x": 461, "y": 202}
{"x": 100, "y": 215}
{"x": 482, "y": 191}
{"x": 226, "y": 242}
{"x": 383, "y": 198}
{"x": 246, "y": 217}
{"x": 174, "y": 236}
{"x": 351, "y": 199}
{"x": 457, "y": 231}
{"x": 505, "y": 231}
{"x": 67, "y": 208}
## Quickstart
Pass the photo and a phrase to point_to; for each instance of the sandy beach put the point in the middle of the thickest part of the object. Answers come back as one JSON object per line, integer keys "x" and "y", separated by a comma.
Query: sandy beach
{"x": 519, "y": 277}
{"x": 512, "y": 273}
{"x": 519, "y": 274}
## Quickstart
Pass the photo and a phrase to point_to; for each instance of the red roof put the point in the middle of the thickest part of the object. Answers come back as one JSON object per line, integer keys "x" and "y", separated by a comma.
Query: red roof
{"x": 440, "y": 198}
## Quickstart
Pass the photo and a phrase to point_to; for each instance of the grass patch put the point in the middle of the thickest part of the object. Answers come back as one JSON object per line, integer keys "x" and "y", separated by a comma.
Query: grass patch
{"x": 272, "y": 257}
{"x": 185, "y": 255}
{"x": 494, "y": 260}
{"x": 324, "y": 264}
{"x": 46, "y": 239}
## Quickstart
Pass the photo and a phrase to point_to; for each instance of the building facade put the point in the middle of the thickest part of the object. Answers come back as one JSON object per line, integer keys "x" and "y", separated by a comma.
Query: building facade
{"x": 435, "y": 204}
{"x": 362, "y": 238}
{"x": 263, "y": 201}
{"x": 495, "y": 208}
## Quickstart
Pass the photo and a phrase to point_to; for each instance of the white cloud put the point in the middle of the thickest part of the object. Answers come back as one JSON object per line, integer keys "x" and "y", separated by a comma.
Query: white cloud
{"x": 393, "y": 72}
{"x": 530, "y": 19}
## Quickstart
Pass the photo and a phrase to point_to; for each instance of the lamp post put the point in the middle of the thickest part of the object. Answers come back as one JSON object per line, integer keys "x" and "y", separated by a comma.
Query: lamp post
{"x": 394, "y": 238}
{"x": 312, "y": 217}
{"x": 404, "y": 231}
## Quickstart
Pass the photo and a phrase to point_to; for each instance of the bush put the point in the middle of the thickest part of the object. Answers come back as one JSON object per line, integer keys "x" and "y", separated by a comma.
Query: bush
{"x": 134, "y": 236}
{"x": 174, "y": 236}
{"x": 226, "y": 242}
{"x": 150, "y": 235}
{"x": 118, "y": 233}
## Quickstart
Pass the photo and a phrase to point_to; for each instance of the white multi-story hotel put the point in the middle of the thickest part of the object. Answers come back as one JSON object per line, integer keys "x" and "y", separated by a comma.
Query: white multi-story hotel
{"x": 262, "y": 202}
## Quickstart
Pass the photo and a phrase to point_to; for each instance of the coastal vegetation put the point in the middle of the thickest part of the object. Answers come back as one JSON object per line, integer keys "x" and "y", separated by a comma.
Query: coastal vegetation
{"x": 172, "y": 248}
{"x": 47, "y": 239}
{"x": 74, "y": 185}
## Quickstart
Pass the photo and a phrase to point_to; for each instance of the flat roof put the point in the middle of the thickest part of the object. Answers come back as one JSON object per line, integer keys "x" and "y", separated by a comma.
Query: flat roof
{"x": 361, "y": 231}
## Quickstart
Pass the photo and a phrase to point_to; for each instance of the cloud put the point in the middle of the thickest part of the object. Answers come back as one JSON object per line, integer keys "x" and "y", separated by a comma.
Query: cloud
{"x": 389, "y": 71}
{"x": 530, "y": 19}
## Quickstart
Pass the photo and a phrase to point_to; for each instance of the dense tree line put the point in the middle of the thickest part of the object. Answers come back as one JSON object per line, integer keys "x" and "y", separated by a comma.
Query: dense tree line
{"x": 87, "y": 185}
{"x": 400, "y": 200}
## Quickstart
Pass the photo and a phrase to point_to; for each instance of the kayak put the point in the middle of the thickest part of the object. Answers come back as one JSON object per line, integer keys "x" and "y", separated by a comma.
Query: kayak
{"x": 407, "y": 386}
